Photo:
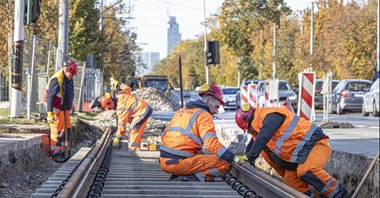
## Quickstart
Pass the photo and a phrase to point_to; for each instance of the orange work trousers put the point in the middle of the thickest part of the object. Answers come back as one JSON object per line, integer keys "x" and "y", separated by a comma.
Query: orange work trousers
{"x": 202, "y": 165}
{"x": 57, "y": 130}
{"x": 312, "y": 173}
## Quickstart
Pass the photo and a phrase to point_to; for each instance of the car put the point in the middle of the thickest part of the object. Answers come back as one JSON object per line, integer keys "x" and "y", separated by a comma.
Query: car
{"x": 318, "y": 97}
{"x": 371, "y": 100}
{"x": 238, "y": 98}
{"x": 188, "y": 95}
{"x": 285, "y": 92}
{"x": 348, "y": 95}
{"x": 229, "y": 94}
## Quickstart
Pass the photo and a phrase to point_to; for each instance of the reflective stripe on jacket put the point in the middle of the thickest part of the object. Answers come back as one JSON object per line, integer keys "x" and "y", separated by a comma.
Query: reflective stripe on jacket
{"x": 295, "y": 138}
{"x": 128, "y": 104}
{"x": 190, "y": 130}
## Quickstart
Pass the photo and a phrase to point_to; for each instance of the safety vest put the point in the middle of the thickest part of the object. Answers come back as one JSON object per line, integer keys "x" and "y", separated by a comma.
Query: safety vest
{"x": 294, "y": 139}
{"x": 189, "y": 131}
{"x": 57, "y": 101}
{"x": 128, "y": 104}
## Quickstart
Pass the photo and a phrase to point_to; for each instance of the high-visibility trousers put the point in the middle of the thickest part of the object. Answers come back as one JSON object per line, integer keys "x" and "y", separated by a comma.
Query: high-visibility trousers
{"x": 202, "y": 165}
{"x": 57, "y": 130}
{"x": 312, "y": 173}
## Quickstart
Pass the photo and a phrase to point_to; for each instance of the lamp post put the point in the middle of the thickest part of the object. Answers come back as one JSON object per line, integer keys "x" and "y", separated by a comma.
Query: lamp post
{"x": 205, "y": 49}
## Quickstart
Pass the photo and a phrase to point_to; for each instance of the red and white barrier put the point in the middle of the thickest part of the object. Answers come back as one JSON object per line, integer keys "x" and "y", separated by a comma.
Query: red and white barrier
{"x": 306, "y": 99}
{"x": 252, "y": 92}
{"x": 271, "y": 92}
{"x": 243, "y": 94}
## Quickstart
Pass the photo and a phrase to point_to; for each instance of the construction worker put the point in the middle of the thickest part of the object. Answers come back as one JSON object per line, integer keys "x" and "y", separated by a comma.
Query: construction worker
{"x": 130, "y": 110}
{"x": 107, "y": 102}
{"x": 59, "y": 96}
{"x": 297, "y": 149}
{"x": 191, "y": 130}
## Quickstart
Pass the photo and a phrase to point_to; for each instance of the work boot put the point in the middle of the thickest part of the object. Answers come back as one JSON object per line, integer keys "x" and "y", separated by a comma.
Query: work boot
{"x": 59, "y": 157}
{"x": 173, "y": 178}
{"x": 116, "y": 143}
{"x": 187, "y": 178}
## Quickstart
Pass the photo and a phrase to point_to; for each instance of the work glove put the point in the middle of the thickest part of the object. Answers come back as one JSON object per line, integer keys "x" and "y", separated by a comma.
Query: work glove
{"x": 50, "y": 117}
{"x": 238, "y": 159}
{"x": 114, "y": 83}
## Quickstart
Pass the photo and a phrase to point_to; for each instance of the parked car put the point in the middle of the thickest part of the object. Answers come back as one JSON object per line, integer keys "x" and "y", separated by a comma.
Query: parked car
{"x": 229, "y": 94}
{"x": 371, "y": 100}
{"x": 318, "y": 97}
{"x": 246, "y": 82}
{"x": 188, "y": 95}
{"x": 348, "y": 95}
{"x": 285, "y": 92}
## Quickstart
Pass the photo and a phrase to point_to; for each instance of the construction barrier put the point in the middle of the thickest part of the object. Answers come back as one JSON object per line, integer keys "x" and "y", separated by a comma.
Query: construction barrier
{"x": 243, "y": 94}
{"x": 252, "y": 92}
{"x": 306, "y": 99}
{"x": 271, "y": 93}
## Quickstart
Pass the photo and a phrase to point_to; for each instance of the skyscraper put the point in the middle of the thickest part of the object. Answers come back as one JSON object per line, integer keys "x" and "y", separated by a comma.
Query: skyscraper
{"x": 174, "y": 37}
{"x": 149, "y": 59}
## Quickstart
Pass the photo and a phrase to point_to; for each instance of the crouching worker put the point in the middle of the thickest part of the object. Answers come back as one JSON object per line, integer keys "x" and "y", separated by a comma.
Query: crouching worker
{"x": 132, "y": 110}
{"x": 297, "y": 149}
{"x": 191, "y": 129}
{"x": 59, "y": 96}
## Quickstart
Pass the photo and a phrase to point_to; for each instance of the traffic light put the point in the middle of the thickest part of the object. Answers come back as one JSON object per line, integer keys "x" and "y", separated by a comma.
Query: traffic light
{"x": 212, "y": 53}
{"x": 32, "y": 11}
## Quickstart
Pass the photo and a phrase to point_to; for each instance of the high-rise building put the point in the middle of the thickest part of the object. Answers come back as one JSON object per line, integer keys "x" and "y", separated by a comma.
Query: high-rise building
{"x": 174, "y": 37}
{"x": 149, "y": 59}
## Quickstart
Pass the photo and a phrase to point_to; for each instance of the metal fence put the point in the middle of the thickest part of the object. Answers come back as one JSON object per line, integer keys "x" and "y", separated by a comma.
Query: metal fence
{"x": 39, "y": 63}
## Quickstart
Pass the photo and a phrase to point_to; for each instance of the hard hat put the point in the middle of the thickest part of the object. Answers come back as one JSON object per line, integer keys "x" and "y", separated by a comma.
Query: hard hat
{"x": 107, "y": 103}
{"x": 213, "y": 90}
{"x": 72, "y": 67}
{"x": 108, "y": 95}
{"x": 242, "y": 115}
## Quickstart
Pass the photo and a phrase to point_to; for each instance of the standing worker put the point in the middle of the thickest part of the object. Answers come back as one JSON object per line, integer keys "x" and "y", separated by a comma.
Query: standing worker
{"x": 59, "y": 96}
{"x": 297, "y": 149}
{"x": 191, "y": 130}
{"x": 130, "y": 109}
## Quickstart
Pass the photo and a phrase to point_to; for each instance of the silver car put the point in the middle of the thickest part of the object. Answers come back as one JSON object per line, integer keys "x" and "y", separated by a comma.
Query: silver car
{"x": 371, "y": 100}
{"x": 348, "y": 95}
{"x": 229, "y": 94}
{"x": 318, "y": 97}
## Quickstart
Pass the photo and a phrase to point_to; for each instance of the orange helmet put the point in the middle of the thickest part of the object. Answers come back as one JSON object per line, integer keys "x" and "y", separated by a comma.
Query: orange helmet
{"x": 242, "y": 115}
{"x": 213, "y": 90}
{"x": 72, "y": 67}
{"x": 107, "y": 102}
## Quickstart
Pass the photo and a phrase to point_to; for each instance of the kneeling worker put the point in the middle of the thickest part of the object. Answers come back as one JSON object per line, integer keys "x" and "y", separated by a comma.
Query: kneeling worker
{"x": 297, "y": 149}
{"x": 191, "y": 129}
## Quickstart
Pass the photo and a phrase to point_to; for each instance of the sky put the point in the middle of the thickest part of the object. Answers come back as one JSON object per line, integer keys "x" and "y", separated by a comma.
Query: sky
{"x": 150, "y": 19}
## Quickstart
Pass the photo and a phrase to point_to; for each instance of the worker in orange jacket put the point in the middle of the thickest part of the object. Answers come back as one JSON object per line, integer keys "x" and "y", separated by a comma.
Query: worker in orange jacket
{"x": 59, "y": 96}
{"x": 191, "y": 129}
{"x": 297, "y": 149}
{"x": 132, "y": 110}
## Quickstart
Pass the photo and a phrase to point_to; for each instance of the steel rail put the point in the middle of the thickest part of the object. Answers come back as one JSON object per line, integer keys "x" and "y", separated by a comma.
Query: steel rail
{"x": 81, "y": 176}
{"x": 262, "y": 183}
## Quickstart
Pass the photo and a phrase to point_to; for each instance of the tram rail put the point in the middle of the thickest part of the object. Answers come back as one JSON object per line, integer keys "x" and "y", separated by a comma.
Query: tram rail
{"x": 100, "y": 171}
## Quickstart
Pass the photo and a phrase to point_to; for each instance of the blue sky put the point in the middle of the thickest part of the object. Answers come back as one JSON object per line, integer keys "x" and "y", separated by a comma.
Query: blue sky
{"x": 151, "y": 16}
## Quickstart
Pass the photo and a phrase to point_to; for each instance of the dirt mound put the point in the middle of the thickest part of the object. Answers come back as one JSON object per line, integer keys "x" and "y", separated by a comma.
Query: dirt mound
{"x": 156, "y": 99}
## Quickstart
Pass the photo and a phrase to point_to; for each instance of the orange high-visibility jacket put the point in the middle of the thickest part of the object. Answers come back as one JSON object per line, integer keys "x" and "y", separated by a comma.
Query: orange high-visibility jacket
{"x": 128, "y": 104}
{"x": 189, "y": 131}
{"x": 295, "y": 138}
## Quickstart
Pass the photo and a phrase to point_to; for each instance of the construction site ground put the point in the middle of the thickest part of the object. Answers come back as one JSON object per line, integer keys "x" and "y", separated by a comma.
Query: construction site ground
{"x": 25, "y": 163}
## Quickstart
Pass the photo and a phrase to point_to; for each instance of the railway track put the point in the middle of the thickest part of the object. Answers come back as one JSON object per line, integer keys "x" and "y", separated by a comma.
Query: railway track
{"x": 100, "y": 171}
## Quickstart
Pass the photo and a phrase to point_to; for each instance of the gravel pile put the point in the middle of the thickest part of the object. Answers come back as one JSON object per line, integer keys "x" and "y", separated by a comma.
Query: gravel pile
{"x": 156, "y": 99}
